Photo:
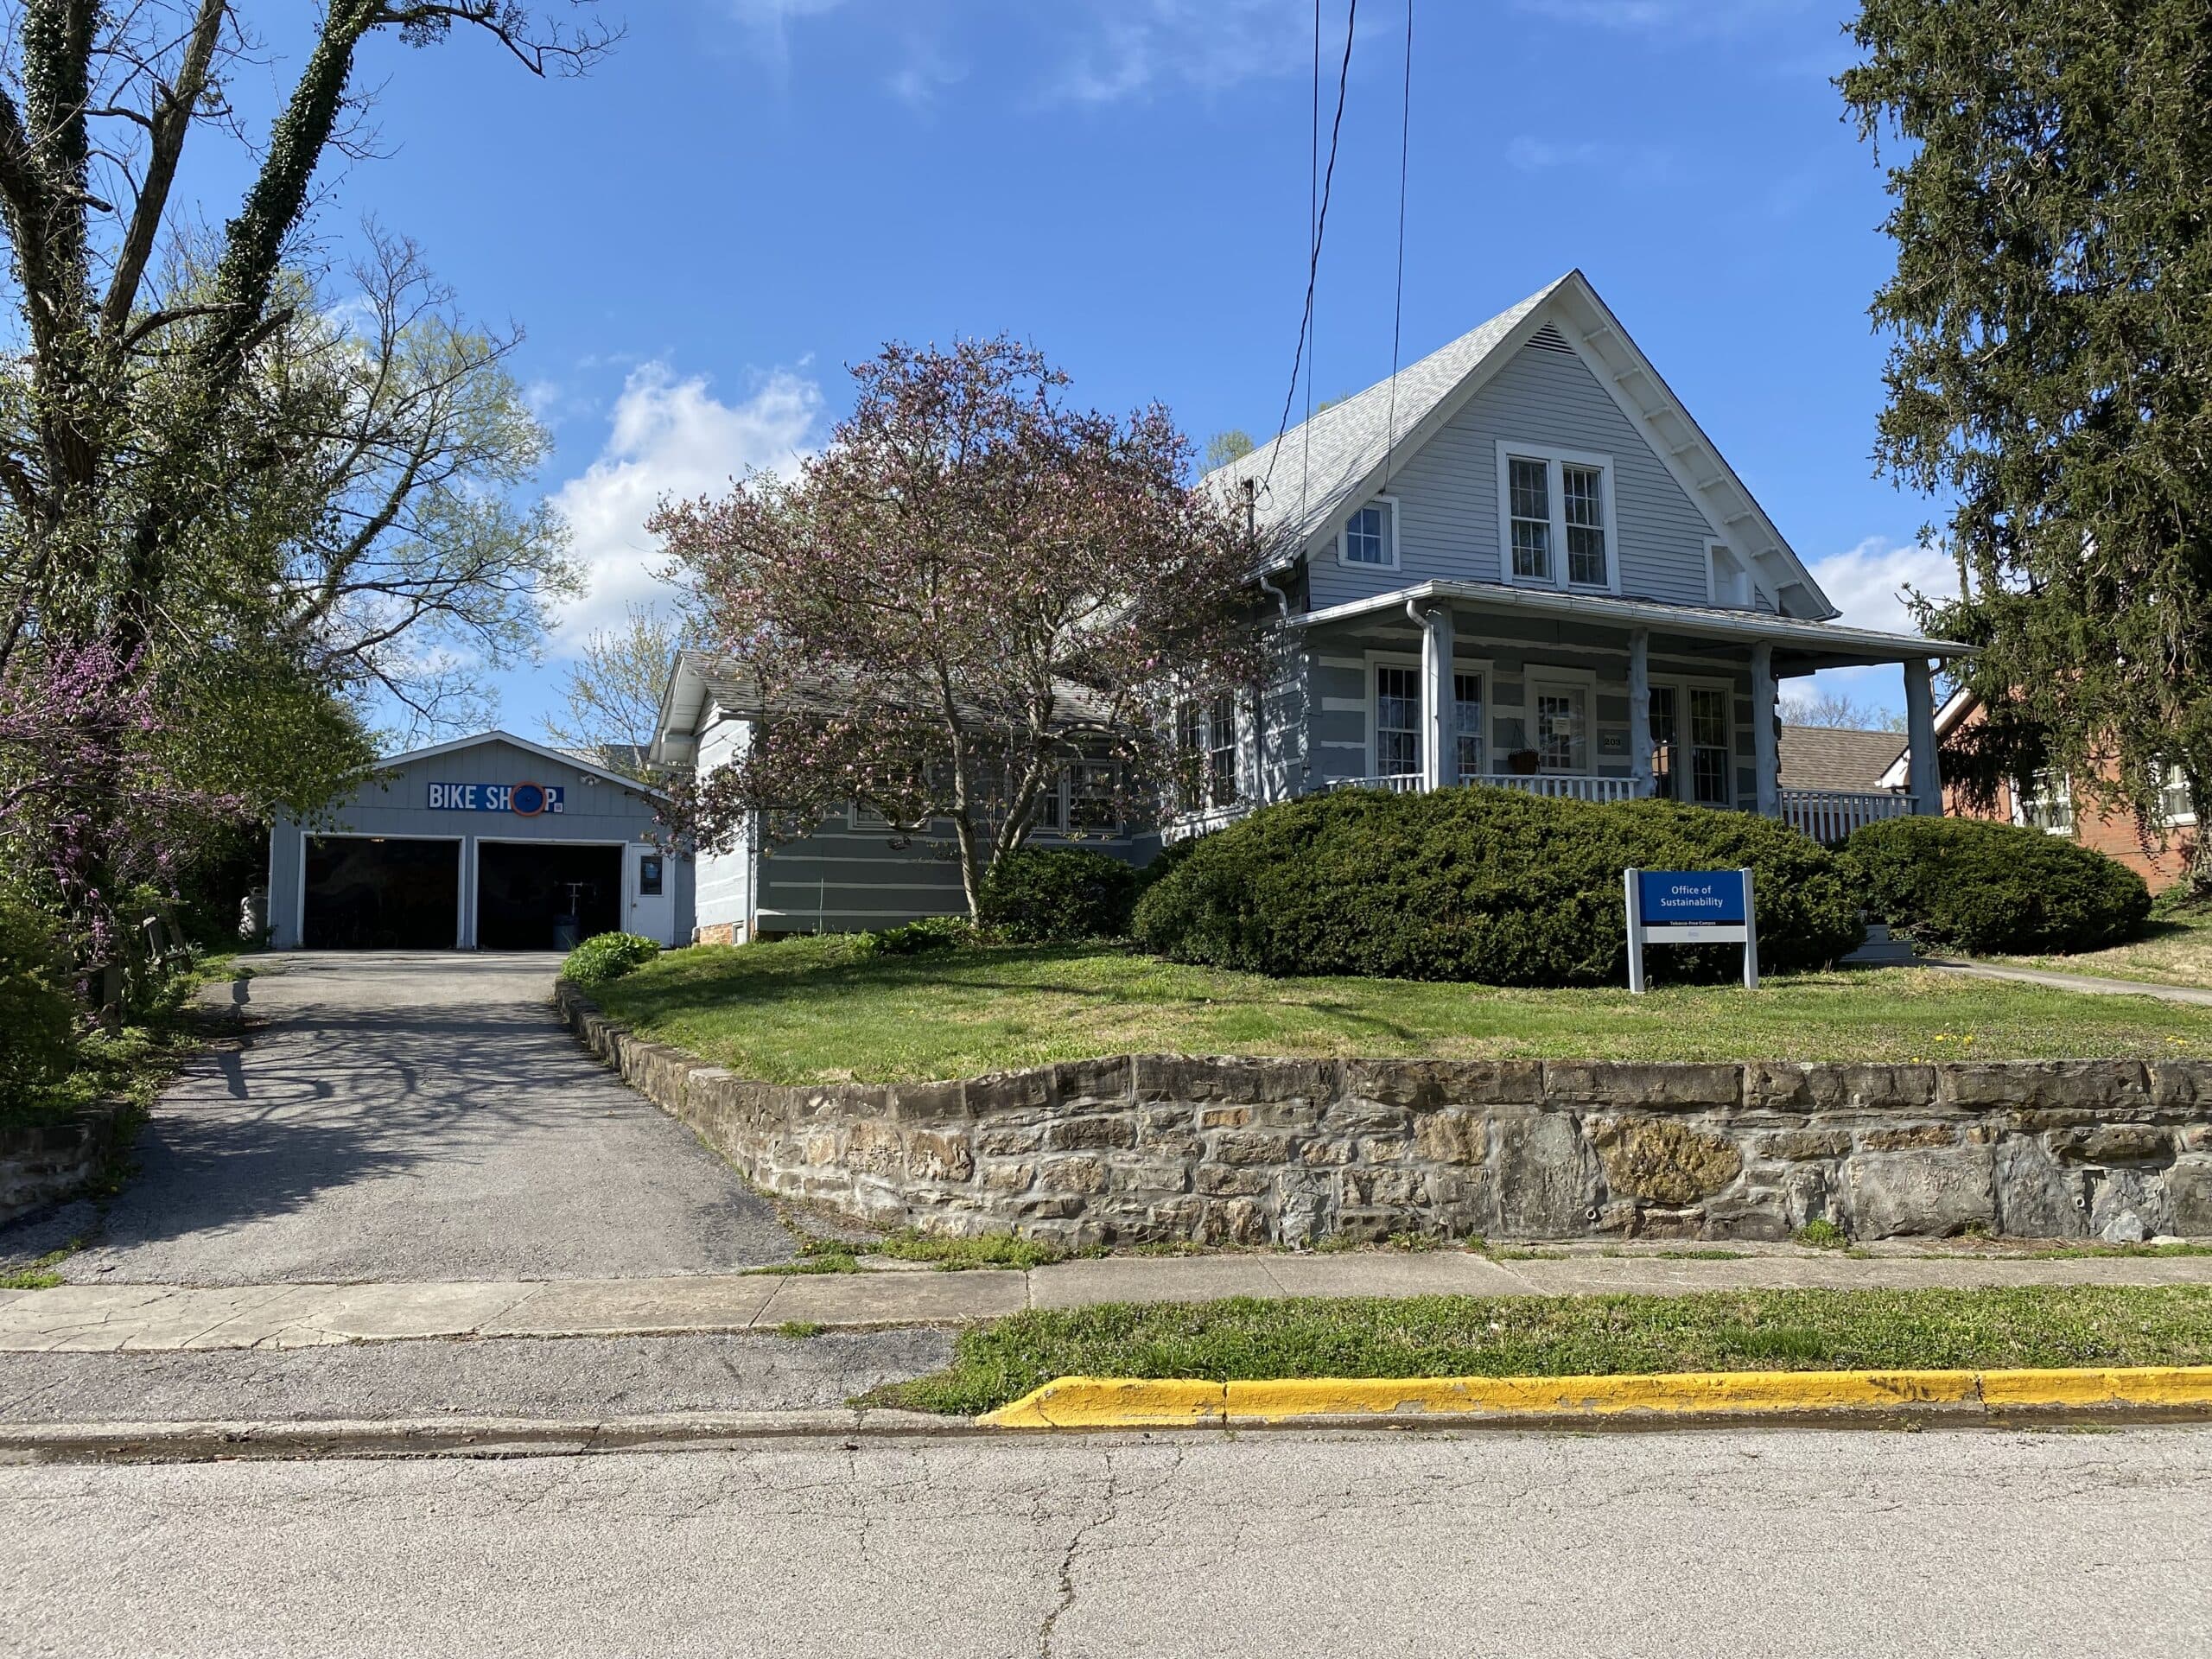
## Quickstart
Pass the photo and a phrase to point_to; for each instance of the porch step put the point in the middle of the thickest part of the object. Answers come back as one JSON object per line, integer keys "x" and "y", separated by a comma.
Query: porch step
{"x": 1881, "y": 951}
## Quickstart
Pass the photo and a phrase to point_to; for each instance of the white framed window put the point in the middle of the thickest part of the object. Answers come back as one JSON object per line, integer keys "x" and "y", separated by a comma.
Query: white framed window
{"x": 1556, "y": 523}
{"x": 1528, "y": 513}
{"x": 1094, "y": 797}
{"x": 1468, "y": 750}
{"x": 2174, "y": 804}
{"x": 1727, "y": 580}
{"x": 1368, "y": 537}
{"x": 2045, "y": 802}
{"x": 1397, "y": 720}
{"x": 1694, "y": 742}
{"x": 1205, "y": 737}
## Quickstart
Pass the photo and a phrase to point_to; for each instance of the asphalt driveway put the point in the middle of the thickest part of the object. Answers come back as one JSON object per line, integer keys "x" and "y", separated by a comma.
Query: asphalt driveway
{"x": 416, "y": 1117}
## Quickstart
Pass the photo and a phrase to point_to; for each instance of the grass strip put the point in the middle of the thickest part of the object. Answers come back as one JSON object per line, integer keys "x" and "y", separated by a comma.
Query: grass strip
{"x": 1246, "y": 1339}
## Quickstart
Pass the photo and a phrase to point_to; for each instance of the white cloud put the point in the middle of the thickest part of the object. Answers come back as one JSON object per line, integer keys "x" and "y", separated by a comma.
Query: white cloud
{"x": 1868, "y": 582}
{"x": 668, "y": 436}
{"x": 1635, "y": 164}
{"x": 1676, "y": 17}
{"x": 1136, "y": 46}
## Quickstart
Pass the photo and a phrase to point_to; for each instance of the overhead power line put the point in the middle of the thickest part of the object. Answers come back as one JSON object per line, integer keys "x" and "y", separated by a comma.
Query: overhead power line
{"x": 1313, "y": 257}
{"x": 1398, "y": 292}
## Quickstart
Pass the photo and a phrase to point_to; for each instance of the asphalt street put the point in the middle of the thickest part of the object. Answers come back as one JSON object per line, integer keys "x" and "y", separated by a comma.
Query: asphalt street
{"x": 1620, "y": 1544}
{"x": 404, "y": 1118}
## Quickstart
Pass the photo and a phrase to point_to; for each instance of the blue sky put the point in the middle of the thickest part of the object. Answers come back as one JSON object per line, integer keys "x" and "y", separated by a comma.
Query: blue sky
{"x": 750, "y": 194}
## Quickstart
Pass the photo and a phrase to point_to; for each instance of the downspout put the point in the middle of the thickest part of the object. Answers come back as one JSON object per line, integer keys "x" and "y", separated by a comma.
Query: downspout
{"x": 1260, "y": 698}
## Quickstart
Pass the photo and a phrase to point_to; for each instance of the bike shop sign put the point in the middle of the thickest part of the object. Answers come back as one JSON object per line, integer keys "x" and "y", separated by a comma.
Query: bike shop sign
{"x": 522, "y": 800}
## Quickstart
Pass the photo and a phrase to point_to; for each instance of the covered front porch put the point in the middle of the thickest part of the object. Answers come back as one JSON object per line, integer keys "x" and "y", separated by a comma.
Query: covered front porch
{"x": 1589, "y": 697}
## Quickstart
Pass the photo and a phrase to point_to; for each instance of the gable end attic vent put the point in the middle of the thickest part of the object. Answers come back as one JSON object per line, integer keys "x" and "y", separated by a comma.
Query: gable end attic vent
{"x": 1548, "y": 338}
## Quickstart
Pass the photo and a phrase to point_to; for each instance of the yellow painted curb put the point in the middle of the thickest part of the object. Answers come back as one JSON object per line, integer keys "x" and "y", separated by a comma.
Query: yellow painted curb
{"x": 1127, "y": 1402}
{"x": 1113, "y": 1402}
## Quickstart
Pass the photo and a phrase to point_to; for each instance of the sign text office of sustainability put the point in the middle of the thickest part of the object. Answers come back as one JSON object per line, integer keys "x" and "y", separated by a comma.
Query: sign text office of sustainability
{"x": 523, "y": 800}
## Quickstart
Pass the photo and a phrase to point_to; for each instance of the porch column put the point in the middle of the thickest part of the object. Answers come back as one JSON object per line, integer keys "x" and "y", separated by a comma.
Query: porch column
{"x": 1639, "y": 710}
{"x": 1923, "y": 778}
{"x": 1439, "y": 750}
{"x": 1763, "y": 757}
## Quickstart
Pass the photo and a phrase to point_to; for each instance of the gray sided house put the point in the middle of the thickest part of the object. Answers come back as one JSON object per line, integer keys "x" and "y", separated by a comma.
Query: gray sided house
{"x": 853, "y": 871}
{"x": 1522, "y": 564}
{"x": 491, "y": 842}
{"x": 1519, "y": 563}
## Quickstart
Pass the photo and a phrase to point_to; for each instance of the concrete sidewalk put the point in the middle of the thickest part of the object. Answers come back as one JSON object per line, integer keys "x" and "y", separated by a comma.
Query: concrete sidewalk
{"x": 2087, "y": 984}
{"x": 103, "y": 1318}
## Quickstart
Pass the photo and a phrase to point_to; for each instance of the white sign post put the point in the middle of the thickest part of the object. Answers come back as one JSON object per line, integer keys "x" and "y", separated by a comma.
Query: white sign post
{"x": 1690, "y": 907}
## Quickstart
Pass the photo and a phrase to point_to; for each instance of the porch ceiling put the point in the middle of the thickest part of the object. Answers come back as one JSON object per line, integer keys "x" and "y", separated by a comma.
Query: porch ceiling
{"x": 1801, "y": 647}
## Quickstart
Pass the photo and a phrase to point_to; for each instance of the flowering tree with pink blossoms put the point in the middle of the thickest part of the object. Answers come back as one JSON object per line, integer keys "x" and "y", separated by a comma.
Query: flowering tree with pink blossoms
{"x": 974, "y": 587}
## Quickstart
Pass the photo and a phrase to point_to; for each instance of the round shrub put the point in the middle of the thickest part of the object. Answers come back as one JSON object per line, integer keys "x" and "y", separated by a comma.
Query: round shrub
{"x": 1057, "y": 895}
{"x": 37, "y": 1012}
{"x": 1967, "y": 884}
{"x": 608, "y": 956}
{"x": 1481, "y": 884}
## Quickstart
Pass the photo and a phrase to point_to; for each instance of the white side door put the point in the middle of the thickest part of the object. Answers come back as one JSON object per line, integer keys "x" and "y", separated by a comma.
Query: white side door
{"x": 646, "y": 912}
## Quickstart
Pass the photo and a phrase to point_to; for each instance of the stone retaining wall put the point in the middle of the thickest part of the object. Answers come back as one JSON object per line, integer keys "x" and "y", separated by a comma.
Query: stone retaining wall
{"x": 42, "y": 1163}
{"x": 1146, "y": 1148}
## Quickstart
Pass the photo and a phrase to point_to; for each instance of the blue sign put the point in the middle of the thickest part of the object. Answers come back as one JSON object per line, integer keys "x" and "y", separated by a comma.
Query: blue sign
{"x": 1670, "y": 896}
{"x": 522, "y": 800}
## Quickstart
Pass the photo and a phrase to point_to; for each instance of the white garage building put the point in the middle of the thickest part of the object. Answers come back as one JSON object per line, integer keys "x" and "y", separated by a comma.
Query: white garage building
{"x": 489, "y": 843}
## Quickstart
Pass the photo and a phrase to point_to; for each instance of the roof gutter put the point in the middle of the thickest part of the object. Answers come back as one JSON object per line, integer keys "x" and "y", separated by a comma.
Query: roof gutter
{"x": 1752, "y": 627}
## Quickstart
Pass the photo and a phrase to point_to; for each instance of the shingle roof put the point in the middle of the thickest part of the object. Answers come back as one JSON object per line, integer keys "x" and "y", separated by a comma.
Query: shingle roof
{"x": 1322, "y": 460}
{"x": 1830, "y": 757}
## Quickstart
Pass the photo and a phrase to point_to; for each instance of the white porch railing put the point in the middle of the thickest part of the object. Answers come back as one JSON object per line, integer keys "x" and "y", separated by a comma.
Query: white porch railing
{"x": 1830, "y": 815}
{"x": 1557, "y": 787}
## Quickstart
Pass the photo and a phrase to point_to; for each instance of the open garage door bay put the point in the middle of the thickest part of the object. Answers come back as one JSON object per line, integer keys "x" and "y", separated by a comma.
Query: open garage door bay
{"x": 364, "y": 892}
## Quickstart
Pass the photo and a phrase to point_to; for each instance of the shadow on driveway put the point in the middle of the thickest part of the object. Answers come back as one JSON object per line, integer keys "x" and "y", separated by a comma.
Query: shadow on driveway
{"x": 402, "y": 1118}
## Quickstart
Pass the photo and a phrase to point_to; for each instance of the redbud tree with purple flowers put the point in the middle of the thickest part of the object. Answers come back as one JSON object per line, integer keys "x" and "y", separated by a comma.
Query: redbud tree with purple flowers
{"x": 973, "y": 590}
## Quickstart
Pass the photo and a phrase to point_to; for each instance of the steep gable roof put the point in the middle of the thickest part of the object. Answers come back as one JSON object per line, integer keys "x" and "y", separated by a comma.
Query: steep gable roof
{"x": 1304, "y": 480}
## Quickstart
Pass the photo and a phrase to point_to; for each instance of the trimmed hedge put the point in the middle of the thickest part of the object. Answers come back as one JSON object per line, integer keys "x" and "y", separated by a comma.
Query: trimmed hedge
{"x": 1967, "y": 884}
{"x": 37, "y": 1012}
{"x": 1059, "y": 895}
{"x": 608, "y": 956}
{"x": 1482, "y": 884}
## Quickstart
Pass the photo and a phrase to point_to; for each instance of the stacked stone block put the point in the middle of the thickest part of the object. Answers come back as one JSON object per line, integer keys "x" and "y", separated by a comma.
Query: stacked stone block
{"x": 1151, "y": 1148}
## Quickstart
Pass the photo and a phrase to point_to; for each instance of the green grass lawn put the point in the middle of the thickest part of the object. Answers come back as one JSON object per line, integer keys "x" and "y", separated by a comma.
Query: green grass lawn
{"x": 2175, "y": 948}
{"x": 817, "y": 1010}
{"x": 1245, "y": 1339}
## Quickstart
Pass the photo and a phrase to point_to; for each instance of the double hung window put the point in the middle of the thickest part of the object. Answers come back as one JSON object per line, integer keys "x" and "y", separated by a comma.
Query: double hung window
{"x": 1397, "y": 721}
{"x": 1528, "y": 486}
{"x": 2046, "y": 803}
{"x": 1556, "y": 517}
{"x": 1467, "y": 726}
{"x": 1206, "y": 737}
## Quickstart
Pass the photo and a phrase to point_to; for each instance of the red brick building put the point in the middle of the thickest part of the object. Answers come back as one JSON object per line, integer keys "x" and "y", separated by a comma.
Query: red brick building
{"x": 2047, "y": 802}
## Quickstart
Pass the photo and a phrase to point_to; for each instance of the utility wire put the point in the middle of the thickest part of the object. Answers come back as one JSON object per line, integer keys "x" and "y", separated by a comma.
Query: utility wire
{"x": 1398, "y": 295}
{"x": 1313, "y": 264}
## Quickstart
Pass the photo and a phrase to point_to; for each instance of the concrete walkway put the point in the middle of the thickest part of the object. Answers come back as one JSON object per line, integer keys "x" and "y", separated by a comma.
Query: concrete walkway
{"x": 106, "y": 1319}
{"x": 2088, "y": 984}
{"x": 393, "y": 1118}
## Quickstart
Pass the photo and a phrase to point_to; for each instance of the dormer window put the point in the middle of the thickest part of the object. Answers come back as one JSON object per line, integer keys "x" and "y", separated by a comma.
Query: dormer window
{"x": 1556, "y": 518}
{"x": 1369, "y": 537}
